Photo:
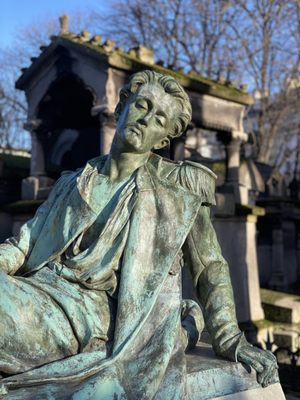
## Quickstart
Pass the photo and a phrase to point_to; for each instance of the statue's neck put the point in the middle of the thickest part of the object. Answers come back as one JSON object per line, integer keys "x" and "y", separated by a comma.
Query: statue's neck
{"x": 119, "y": 166}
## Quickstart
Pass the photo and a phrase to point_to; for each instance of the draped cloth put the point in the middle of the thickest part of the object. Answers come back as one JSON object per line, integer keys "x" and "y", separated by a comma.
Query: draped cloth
{"x": 146, "y": 358}
{"x": 73, "y": 299}
{"x": 93, "y": 259}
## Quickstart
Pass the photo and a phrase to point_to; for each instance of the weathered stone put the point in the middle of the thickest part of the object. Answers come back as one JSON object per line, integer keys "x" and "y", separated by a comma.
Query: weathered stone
{"x": 281, "y": 307}
{"x": 108, "y": 45}
{"x": 142, "y": 53}
{"x": 221, "y": 379}
{"x": 243, "y": 263}
{"x": 208, "y": 378}
{"x": 85, "y": 36}
{"x": 64, "y": 24}
{"x": 36, "y": 187}
{"x": 96, "y": 40}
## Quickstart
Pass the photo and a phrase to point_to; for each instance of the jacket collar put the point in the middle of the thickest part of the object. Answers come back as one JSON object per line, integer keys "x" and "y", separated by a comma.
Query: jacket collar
{"x": 144, "y": 176}
{"x": 86, "y": 181}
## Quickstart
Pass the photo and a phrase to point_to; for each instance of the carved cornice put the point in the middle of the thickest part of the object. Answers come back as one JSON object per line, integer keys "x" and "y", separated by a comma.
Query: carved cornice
{"x": 136, "y": 59}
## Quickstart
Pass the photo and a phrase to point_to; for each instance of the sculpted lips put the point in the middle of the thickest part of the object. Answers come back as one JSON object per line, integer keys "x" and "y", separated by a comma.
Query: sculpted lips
{"x": 136, "y": 129}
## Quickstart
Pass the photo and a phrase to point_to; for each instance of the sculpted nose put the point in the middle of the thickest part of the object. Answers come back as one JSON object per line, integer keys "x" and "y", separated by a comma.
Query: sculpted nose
{"x": 145, "y": 119}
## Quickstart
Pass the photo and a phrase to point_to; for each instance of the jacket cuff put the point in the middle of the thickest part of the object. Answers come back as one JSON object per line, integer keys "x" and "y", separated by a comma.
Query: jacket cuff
{"x": 230, "y": 348}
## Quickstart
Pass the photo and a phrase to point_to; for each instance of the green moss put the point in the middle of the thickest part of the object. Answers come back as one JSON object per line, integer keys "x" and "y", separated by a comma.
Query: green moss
{"x": 198, "y": 83}
{"x": 23, "y": 206}
{"x": 277, "y": 313}
{"x": 267, "y": 324}
{"x": 14, "y": 166}
{"x": 243, "y": 210}
{"x": 273, "y": 296}
{"x": 195, "y": 82}
{"x": 263, "y": 324}
{"x": 219, "y": 167}
{"x": 272, "y": 307}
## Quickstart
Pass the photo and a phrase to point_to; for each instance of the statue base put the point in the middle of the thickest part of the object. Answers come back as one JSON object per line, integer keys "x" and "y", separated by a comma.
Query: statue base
{"x": 211, "y": 377}
{"x": 208, "y": 378}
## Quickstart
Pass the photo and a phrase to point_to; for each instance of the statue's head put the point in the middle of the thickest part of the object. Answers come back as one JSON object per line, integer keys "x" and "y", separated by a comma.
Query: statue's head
{"x": 154, "y": 104}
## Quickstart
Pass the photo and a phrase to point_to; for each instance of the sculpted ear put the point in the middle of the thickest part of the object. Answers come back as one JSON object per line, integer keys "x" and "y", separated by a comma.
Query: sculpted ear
{"x": 161, "y": 144}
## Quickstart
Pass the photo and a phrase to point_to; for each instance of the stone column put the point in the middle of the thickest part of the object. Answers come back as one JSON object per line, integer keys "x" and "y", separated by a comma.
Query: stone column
{"x": 37, "y": 185}
{"x": 278, "y": 279}
{"x": 298, "y": 251}
{"x": 107, "y": 127}
{"x": 233, "y": 149}
{"x": 233, "y": 161}
{"x": 37, "y": 163}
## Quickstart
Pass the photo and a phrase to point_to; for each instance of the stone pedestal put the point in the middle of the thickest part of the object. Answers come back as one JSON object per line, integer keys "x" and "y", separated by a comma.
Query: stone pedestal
{"x": 213, "y": 378}
{"x": 237, "y": 237}
{"x": 36, "y": 187}
{"x": 208, "y": 378}
{"x": 298, "y": 253}
{"x": 278, "y": 279}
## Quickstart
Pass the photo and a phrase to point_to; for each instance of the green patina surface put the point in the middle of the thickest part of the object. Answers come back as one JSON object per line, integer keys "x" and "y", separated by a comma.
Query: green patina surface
{"x": 90, "y": 299}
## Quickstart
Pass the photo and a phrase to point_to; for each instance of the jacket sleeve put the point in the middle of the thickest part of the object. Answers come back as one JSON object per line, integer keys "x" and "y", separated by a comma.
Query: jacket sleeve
{"x": 209, "y": 270}
{"x": 211, "y": 280}
{"x": 15, "y": 250}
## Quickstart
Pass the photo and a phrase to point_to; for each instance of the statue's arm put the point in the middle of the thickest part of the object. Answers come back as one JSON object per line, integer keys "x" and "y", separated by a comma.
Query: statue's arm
{"x": 212, "y": 282}
{"x": 15, "y": 250}
{"x": 211, "y": 279}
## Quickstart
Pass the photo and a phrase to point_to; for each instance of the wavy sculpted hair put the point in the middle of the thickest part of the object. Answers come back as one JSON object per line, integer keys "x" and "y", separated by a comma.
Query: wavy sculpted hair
{"x": 170, "y": 86}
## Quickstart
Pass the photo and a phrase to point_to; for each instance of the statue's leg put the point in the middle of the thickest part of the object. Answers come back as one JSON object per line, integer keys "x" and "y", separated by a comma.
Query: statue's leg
{"x": 90, "y": 312}
{"x": 33, "y": 328}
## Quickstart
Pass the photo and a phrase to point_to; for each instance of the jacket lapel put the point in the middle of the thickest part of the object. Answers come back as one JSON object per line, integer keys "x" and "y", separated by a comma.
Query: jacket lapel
{"x": 159, "y": 225}
{"x": 74, "y": 211}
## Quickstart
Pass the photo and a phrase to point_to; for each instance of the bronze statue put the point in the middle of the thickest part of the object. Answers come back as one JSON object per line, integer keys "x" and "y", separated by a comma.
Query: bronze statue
{"x": 90, "y": 286}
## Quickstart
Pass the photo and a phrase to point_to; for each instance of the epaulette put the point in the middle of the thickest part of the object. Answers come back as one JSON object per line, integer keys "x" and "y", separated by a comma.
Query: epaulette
{"x": 200, "y": 180}
{"x": 201, "y": 166}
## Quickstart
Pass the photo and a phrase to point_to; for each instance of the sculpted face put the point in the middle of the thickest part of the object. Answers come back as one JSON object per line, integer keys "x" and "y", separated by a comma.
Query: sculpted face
{"x": 147, "y": 119}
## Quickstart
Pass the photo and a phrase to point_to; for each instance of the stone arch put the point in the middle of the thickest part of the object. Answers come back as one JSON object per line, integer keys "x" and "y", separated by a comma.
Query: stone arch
{"x": 68, "y": 132}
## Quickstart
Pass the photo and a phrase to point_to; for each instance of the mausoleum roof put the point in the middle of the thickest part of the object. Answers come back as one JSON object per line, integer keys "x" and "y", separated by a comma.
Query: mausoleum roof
{"x": 133, "y": 60}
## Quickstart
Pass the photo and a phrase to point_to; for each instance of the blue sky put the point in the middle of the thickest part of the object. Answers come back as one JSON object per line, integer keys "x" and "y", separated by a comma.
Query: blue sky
{"x": 14, "y": 13}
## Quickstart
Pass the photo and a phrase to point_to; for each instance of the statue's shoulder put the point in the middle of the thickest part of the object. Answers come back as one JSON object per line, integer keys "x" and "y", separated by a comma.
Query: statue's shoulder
{"x": 199, "y": 169}
{"x": 199, "y": 179}
{"x": 189, "y": 175}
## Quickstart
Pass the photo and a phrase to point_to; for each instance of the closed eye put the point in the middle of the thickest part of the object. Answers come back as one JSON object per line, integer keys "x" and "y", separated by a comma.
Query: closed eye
{"x": 141, "y": 104}
{"x": 160, "y": 120}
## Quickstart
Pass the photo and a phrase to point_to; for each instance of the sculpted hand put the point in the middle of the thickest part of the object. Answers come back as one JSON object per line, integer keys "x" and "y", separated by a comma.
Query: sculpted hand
{"x": 263, "y": 361}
